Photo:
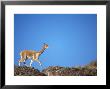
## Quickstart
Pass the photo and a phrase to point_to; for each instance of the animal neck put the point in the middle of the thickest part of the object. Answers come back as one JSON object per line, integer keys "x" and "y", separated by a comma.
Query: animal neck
{"x": 42, "y": 50}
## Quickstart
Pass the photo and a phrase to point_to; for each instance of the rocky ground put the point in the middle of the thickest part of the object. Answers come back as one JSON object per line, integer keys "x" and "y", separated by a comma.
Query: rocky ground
{"x": 87, "y": 70}
{"x": 27, "y": 71}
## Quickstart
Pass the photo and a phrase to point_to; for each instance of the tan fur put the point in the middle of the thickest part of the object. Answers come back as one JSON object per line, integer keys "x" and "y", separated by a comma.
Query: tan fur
{"x": 30, "y": 54}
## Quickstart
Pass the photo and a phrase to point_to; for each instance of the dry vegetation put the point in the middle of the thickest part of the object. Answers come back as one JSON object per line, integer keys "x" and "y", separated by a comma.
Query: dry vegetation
{"x": 87, "y": 70}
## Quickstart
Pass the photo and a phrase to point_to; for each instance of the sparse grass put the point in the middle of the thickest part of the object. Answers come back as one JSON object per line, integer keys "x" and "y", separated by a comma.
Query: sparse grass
{"x": 87, "y": 70}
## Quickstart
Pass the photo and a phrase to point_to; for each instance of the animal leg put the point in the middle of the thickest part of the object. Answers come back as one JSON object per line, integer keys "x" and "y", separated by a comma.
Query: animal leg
{"x": 19, "y": 63}
{"x": 21, "y": 60}
{"x": 25, "y": 62}
{"x": 31, "y": 62}
{"x": 39, "y": 62}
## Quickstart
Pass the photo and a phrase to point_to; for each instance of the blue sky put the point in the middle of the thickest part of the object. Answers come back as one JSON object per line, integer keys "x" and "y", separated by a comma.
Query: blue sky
{"x": 72, "y": 38}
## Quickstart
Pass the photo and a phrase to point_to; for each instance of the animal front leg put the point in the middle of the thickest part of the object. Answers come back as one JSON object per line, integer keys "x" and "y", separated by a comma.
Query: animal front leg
{"x": 24, "y": 62}
{"x": 39, "y": 62}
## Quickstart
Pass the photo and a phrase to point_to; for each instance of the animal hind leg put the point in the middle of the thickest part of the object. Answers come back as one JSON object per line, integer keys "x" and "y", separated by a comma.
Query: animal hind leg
{"x": 19, "y": 63}
{"x": 31, "y": 63}
{"x": 25, "y": 62}
{"x": 21, "y": 60}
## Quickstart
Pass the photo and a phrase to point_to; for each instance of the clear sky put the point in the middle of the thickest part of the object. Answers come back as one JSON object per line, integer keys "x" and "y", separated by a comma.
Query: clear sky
{"x": 72, "y": 38}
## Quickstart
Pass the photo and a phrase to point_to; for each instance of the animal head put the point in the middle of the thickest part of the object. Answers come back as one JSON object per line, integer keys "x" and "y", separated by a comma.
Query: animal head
{"x": 45, "y": 46}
